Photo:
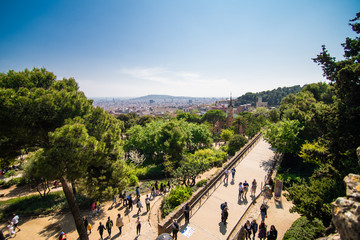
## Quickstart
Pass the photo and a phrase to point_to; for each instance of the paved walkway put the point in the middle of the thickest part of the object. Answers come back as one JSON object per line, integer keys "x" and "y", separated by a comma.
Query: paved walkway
{"x": 206, "y": 222}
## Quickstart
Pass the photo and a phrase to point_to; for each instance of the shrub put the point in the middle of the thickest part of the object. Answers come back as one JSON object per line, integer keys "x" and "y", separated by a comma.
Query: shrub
{"x": 176, "y": 197}
{"x": 305, "y": 229}
{"x": 133, "y": 180}
{"x": 10, "y": 173}
{"x": 236, "y": 142}
{"x": 149, "y": 172}
{"x": 14, "y": 181}
{"x": 201, "y": 183}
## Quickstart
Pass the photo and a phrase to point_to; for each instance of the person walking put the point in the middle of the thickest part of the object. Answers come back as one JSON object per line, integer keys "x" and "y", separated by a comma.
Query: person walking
{"x": 262, "y": 231}
{"x": 247, "y": 227}
{"x": 175, "y": 229}
{"x": 139, "y": 205}
{"x": 226, "y": 176}
{"x": 119, "y": 222}
{"x": 253, "y": 187}
{"x": 86, "y": 224}
{"x": 246, "y": 188}
{"x": 93, "y": 212}
{"x": 241, "y": 191}
{"x": 114, "y": 200}
{"x": 224, "y": 215}
{"x": 187, "y": 213}
{"x": 125, "y": 198}
{"x": 101, "y": 229}
{"x": 137, "y": 192}
{"x": 130, "y": 202}
{"x": 263, "y": 212}
{"x": 15, "y": 222}
{"x": 254, "y": 228}
{"x": 273, "y": 233}
{"x": 233, "y": 171}
{"x": 109, "y": 225}
{"x": 138, "y": 226}
{"x": 10, "y": 228}
{"x": 147, "y": 202}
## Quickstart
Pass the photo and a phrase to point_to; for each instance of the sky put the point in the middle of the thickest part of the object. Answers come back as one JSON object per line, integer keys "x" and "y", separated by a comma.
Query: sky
{"x": 197, "y": 48}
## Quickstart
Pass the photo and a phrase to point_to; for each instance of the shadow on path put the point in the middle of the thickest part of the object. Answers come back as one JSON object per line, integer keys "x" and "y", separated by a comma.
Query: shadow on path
{"x": 223, "y": 228}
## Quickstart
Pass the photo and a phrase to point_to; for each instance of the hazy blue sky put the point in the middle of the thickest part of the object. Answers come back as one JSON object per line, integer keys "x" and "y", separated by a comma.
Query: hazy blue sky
{"x": 175, "y": 47}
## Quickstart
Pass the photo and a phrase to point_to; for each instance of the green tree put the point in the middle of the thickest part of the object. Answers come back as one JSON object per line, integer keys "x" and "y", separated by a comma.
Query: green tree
{"x": 236, "y": 142}
{"x": 284, "y": 136}
{"x": 212, "y": 116}
{"x": 226, "y": 134}
{"x": 32, "y": 104}
{"x": 73, "y": 137}
{"x": 344, "y": 76}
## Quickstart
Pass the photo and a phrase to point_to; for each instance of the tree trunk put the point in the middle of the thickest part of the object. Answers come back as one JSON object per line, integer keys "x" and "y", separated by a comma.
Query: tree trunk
{"x": 70, "y": 197}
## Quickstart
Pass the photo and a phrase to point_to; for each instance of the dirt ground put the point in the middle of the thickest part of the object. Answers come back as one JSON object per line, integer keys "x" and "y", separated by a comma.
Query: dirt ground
{"x": 49, "y": 227}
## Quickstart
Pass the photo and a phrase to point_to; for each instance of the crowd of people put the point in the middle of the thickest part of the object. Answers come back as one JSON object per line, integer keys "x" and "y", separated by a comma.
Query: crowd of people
{"x": 128, "y": 200}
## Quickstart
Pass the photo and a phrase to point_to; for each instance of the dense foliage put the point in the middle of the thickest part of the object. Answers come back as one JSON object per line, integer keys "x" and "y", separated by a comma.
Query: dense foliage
{"x": 159, "y": 140}
{"x": 320, "y": 125}
{"x": 176, "y": 196}
{"x": 305, "y": 229}
{"x": 273, "y": 97}
{"x": 75, "y": 142}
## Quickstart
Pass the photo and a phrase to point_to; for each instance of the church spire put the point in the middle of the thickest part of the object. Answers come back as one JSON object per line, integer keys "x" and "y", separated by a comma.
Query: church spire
{"x": 231, "y": 103}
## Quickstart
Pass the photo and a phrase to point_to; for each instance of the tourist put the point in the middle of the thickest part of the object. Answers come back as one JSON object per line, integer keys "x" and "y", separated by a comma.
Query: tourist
{"x": 114, "y": 200}
{"x": 263, "y": 212}
{"x": 139, "y": 205}
{"x": 147, "y": 201}
{"x": 138, "y": 226}
{"x": 254, "y": 227}
{"x": 224, "y": 215}
{"x": 253, "y": 187}
{"x": 187, "y": 213}
{"x": 233, "y": 171}
{"x": 262, "y": 231}
{"x": 226, "y": 176}
{"x": 169, "y": 186}
{"x": 130, "y": 202}
{"x": 273, "y": 233}
{"x": 125, "y": 198}
{"x": 137, "y": 192}
{"x": 119, "y": 222}
{"x": 15, "y": 222}
{"x": 247, "y": 227}
{"x": 101, "y": 229}
{"x": 86, "y": 223}
{"x": 10, "y": 228}
{"x": 241, "y": 191}
{"x": 246, "y": 188}
{"x": 98, "y": 206}
{"x": 62, "y": 236}
{"x": 175, "y": 229}
{"x": 109, "y": 225}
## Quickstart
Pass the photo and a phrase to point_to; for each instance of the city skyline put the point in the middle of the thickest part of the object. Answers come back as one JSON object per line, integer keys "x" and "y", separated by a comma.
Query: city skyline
{"x": 178, "y": 48}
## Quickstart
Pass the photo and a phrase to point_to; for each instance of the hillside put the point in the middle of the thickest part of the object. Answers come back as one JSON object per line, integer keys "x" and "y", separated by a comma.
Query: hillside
{"x": 273, "y": 97}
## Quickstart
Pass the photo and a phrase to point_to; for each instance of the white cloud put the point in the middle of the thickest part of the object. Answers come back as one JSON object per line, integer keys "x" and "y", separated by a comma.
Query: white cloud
{"x": 173, "y": 78}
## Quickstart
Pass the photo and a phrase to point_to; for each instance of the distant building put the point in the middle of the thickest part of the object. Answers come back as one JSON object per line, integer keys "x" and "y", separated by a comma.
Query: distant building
{"x": 260, "y": 103}
{"x": 151, "y": 101}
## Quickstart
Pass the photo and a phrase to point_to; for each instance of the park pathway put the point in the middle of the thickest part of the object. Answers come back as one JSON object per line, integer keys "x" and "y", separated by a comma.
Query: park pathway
{"x": 206, "y": 222}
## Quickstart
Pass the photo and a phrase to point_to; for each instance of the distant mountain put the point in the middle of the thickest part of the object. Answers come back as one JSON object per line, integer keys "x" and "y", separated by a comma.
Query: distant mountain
{"x": 273, "y": 97}
{"x": 166, "y": 98}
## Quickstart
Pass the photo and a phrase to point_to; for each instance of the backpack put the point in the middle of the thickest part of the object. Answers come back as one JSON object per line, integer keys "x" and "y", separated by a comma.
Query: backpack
{"x": 222, "y": 206}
